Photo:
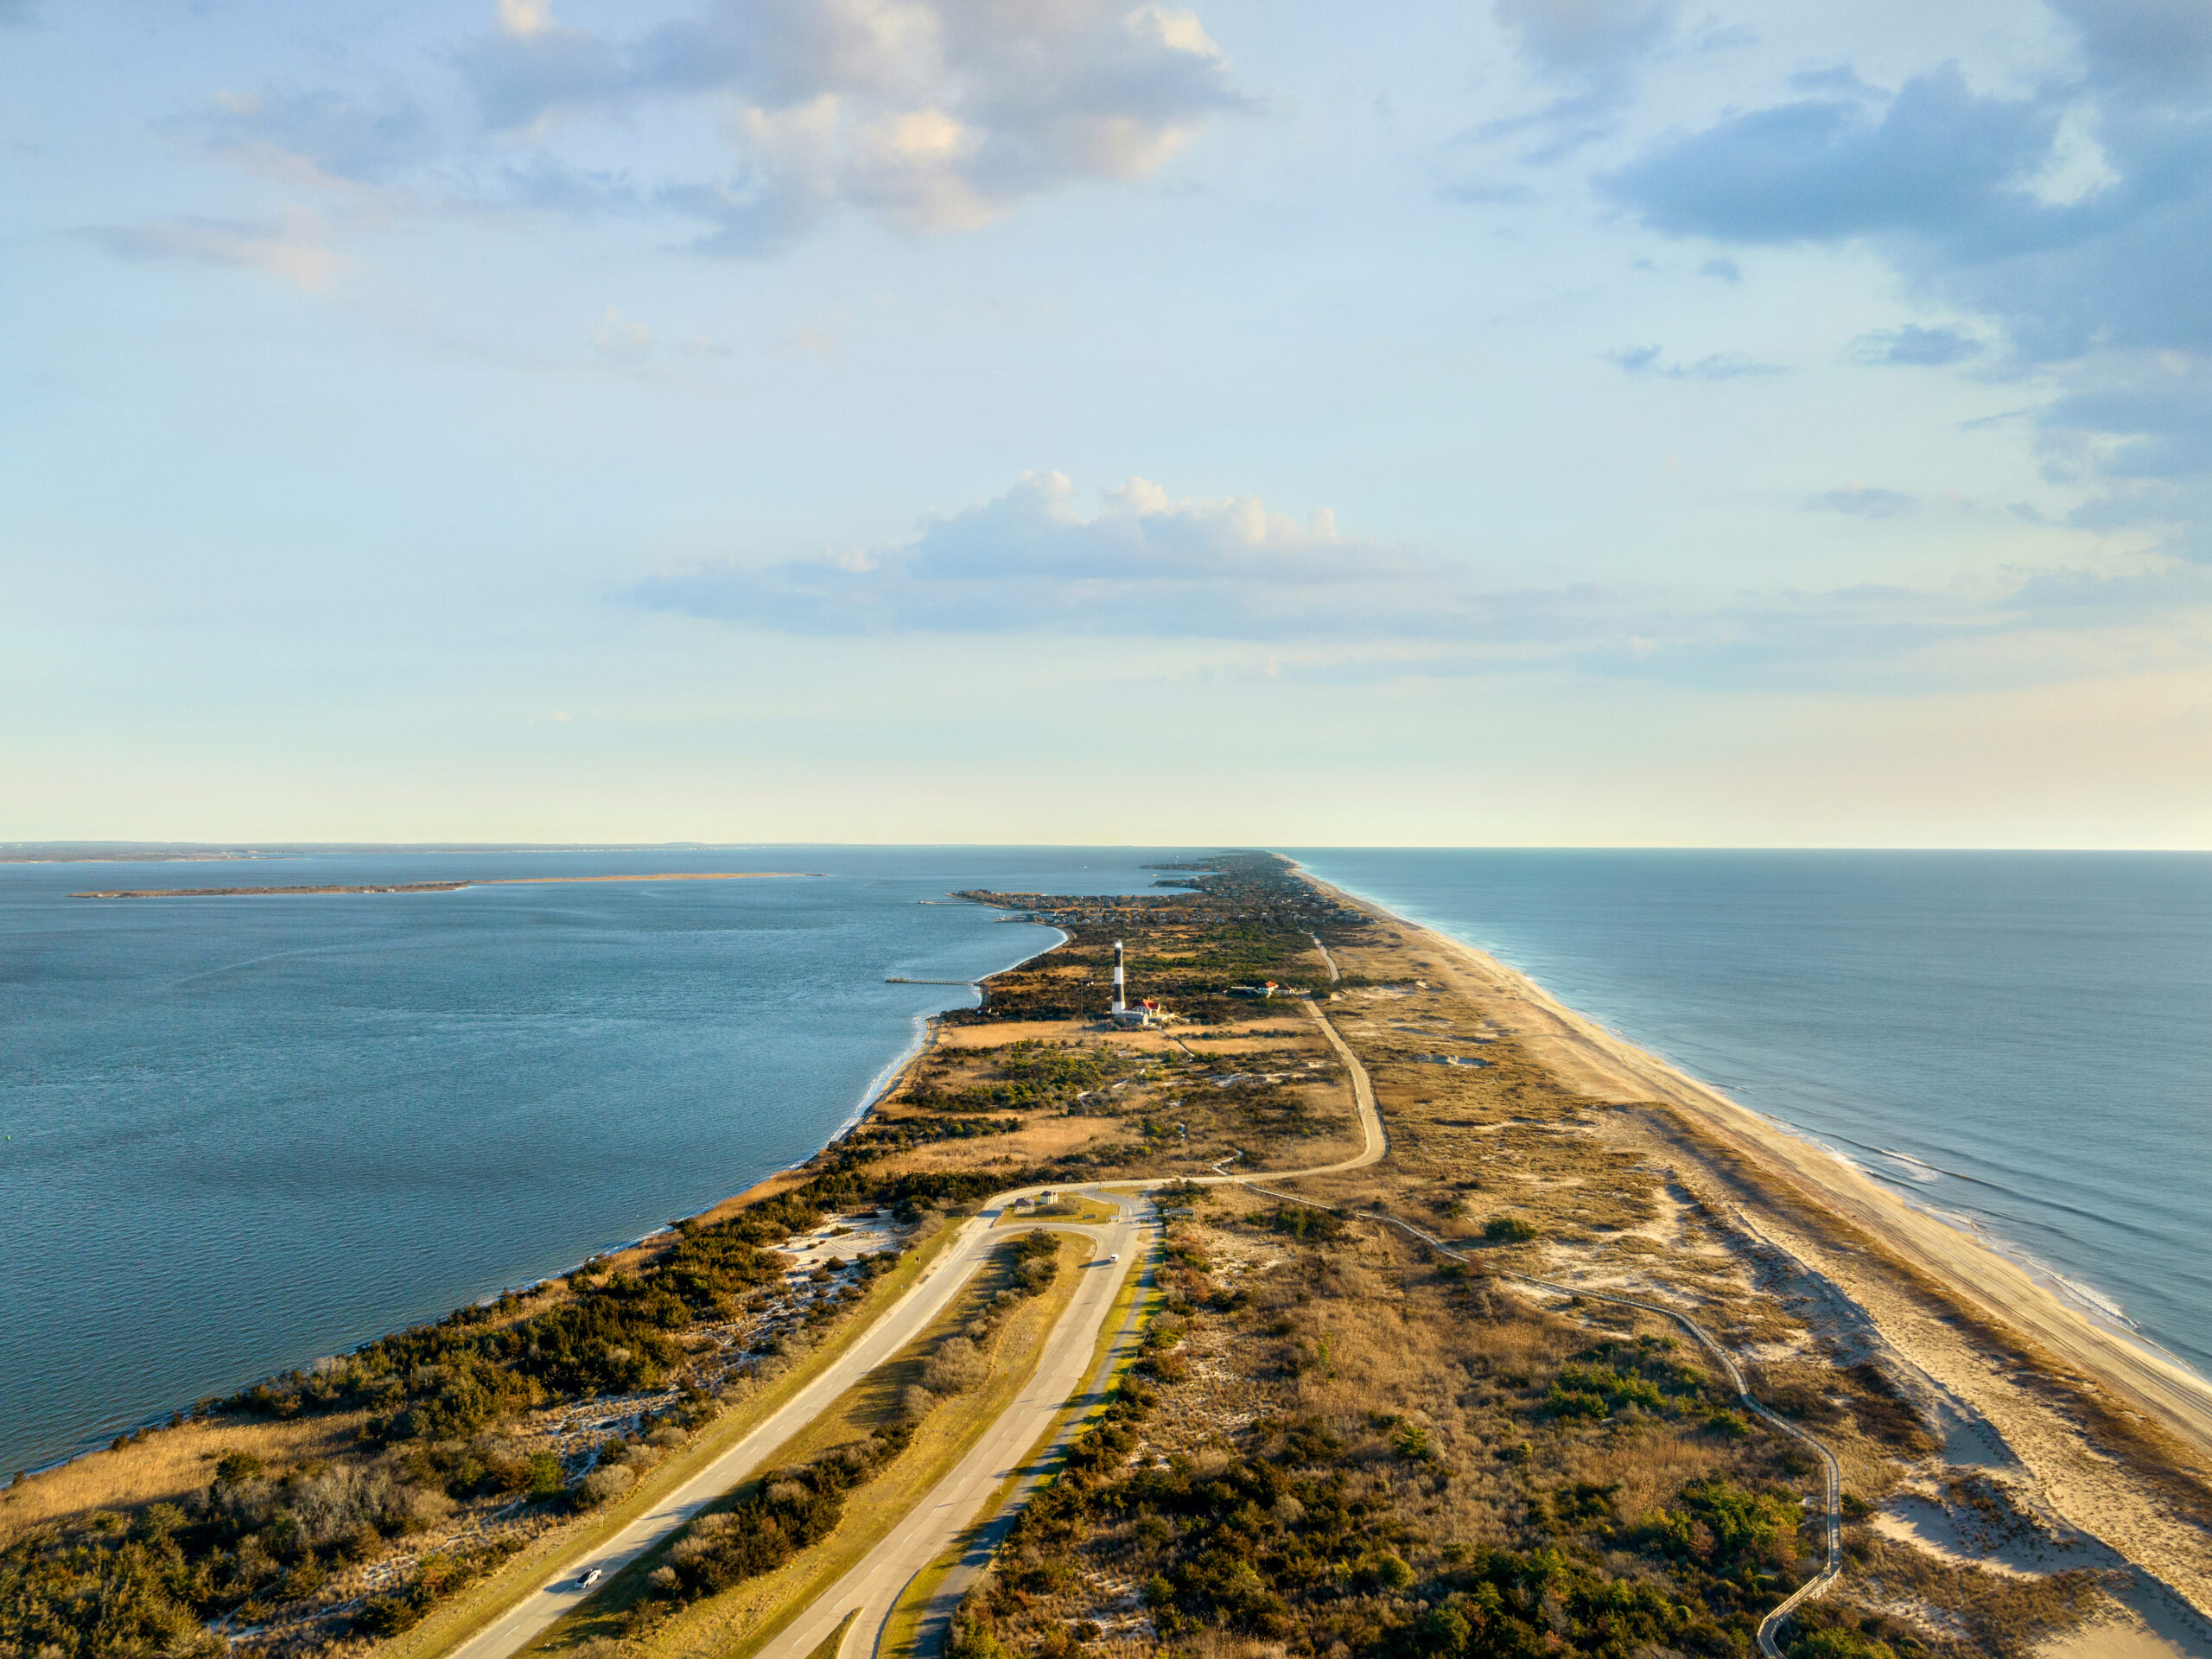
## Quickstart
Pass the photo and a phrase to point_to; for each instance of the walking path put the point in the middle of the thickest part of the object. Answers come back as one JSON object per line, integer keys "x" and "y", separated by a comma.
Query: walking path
{"x": 1814, "y": 1588}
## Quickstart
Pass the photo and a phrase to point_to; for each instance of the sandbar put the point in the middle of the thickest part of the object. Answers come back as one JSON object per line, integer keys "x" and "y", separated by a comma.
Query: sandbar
{"x": 443, "y": 887}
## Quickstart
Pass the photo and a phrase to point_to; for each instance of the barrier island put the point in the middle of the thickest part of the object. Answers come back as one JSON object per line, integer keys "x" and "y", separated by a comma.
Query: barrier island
{"x": 1452, "y": 1326}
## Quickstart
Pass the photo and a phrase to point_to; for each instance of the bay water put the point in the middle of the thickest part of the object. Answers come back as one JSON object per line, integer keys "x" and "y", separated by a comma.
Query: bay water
{"x": 243, "y": 1133}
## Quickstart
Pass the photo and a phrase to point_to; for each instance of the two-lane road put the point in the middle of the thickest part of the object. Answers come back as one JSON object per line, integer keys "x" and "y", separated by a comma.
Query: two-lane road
{"x": 948, "y": 1509}
{"x": 1065, "y": 1374}
{"x": 900, "y": 1324}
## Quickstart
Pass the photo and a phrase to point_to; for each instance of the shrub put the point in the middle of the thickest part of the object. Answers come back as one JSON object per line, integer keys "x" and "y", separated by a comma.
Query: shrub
{"x": 545, "y": 1476}
{"x": 604, "y": 1486}
{"x": 437, "y": 1576}
{"x": 1725, "y": 1527}
{"x": 794, "y": 1508}
{"x": 956, "y": 1366}
{"x": 1301, "y": 1221}
{"x": 1038, "y": 1272}
{"x": 1389, "y": 1570}
{"x": 1508, "y": 1230}
{"x": 1412, "y": 1443}
{"x": 236, "y": 1466}
{"x": 1839, "y": 1645}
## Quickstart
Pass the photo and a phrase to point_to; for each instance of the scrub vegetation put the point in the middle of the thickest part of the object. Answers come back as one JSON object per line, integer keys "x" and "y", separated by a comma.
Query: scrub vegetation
{"x": 448, "y": 1466}
{"x": 1336, "y": 1448}
{"x": 758, "y": 1556}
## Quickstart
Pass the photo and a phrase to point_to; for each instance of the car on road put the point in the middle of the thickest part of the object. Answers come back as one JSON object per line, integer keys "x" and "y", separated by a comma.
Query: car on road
{"x": 1112, "y": 1259}
{"x": 590, "y": 1578}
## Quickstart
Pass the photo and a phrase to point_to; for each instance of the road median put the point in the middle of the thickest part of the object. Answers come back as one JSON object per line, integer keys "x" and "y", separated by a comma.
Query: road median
{"x": 446, "y": 1628}
{"x": 739, "y": 1621}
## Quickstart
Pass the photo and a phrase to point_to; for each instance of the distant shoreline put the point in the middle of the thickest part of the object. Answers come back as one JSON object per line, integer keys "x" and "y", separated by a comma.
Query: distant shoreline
{"x": 444, "y": 887}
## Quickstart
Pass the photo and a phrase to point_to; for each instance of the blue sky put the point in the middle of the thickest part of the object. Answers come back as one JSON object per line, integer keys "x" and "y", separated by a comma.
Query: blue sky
{"x": 1589, "y": 422}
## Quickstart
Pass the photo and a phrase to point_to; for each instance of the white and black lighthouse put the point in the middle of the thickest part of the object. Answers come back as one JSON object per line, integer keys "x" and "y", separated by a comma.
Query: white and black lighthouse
{"x": 1122, "y": 1013}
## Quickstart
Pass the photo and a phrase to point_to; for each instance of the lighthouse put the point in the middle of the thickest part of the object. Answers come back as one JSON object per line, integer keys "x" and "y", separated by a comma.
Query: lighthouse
{"x": 1122, "y": 1013}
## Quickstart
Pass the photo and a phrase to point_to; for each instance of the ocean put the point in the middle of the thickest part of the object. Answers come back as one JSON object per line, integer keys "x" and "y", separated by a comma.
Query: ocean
{"x": 2022, "y": 1041}
{"x": 245, "y": 1133}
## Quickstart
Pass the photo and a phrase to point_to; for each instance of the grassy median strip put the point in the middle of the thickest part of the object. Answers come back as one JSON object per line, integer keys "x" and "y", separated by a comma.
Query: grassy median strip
{"x": 449, "y": 1625}
{"x": 1081, "y": 1212}
{"x": 903, "y": 1629}
{"x": 741, "y": 1619}
{"x": 827, "y": 1648}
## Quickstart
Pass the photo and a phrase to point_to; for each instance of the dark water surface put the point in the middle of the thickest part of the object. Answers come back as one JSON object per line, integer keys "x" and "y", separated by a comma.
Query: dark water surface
{"x": 244, "y": 1132}
{"x": 2022, "y": 1039}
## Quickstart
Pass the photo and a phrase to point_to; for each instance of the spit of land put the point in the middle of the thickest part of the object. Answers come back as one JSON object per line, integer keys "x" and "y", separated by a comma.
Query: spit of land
{"x": 1386, "y": 1364}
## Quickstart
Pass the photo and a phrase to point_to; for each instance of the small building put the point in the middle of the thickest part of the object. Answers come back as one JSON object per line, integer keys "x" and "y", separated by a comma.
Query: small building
{"x": 1146, "y": 1013}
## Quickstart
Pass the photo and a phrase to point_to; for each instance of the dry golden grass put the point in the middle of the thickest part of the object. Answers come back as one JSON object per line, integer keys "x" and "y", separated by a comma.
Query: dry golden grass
{"x": 1041, "y": 1140}
{"x": 1109, "y": 1126}
{"x": 166, "y": 1465}
{"x": 1010, "y": 1031}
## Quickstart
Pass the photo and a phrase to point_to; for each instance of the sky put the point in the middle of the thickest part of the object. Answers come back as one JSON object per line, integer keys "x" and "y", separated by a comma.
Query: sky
{"x": 1529, "y": 422}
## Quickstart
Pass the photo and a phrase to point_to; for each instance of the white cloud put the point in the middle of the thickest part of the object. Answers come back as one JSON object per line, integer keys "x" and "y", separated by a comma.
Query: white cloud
{"x": 1863, "y": 501}
{"x": 1718, "y": 365}
{"x": 292, "y": 252}
{"x": 524, "y": 19}
{"x": 620, "y": 337}
{"x": 1143, "y": 561}
{"x": 1144, "y": 564}
{"x": 936, "y": 115}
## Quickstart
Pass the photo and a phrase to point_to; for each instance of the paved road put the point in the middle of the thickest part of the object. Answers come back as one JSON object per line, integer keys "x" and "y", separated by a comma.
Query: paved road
{"x": 951, "y": 1507}
{"x": 560, "y": 1593}
{"x": 873, "y": 1587}
{"x": 1064, "y": 1375}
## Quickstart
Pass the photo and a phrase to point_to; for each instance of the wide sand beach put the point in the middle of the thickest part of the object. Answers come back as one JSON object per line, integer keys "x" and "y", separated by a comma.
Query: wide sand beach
{"x": 2105, "y": 1430}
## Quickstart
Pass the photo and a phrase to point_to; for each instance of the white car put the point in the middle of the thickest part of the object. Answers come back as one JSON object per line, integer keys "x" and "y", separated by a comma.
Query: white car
{"x": 1112, "y": 1259}
{"x": 590, "y": 1578}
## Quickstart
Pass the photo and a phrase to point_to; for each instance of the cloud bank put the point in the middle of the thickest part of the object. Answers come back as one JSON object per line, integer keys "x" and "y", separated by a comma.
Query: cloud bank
{"x": 1146, "y": 565}
{"x": 2076, "y": 218}
{"x": 928, "y": 115}
{"x": 292, "y": 251}
{"x": 1140, "y": 564}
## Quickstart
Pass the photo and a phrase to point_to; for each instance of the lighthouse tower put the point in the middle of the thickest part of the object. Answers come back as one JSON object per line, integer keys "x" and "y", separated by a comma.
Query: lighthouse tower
{"x": 1122, "y": 1013}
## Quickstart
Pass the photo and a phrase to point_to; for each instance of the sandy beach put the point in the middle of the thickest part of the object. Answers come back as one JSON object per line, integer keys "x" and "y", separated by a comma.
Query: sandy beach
{"x": 2095, "y": 1422}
